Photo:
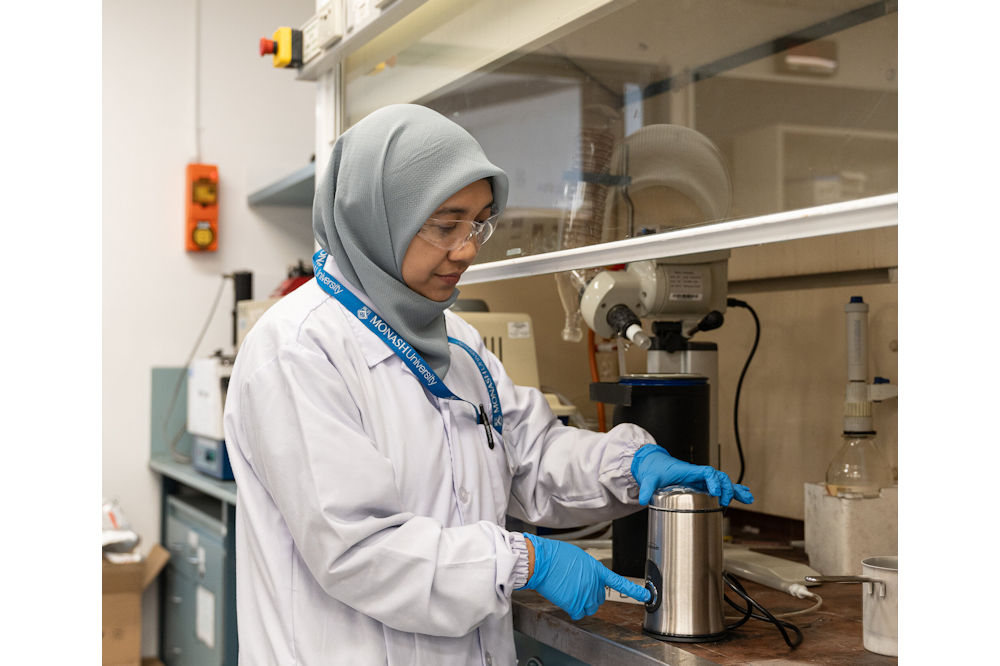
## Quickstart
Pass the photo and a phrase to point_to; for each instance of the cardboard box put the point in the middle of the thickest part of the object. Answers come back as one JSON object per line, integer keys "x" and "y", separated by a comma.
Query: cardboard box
{"x": 121, "y": 606}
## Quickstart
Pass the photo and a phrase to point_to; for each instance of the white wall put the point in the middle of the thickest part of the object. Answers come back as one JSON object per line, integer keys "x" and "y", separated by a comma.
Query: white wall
{"x": 257, "y": 125}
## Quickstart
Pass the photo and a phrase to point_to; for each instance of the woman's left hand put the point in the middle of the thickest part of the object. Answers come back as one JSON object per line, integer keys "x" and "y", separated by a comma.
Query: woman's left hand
{"x": 654, "y": 468}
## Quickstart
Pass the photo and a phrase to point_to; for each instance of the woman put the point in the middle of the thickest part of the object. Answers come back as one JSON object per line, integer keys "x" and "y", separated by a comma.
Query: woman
{"x": 378, "y": 447}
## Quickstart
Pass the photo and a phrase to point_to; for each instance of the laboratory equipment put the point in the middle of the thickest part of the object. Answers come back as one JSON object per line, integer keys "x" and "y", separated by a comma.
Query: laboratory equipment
{"x": 684, "y": 573}
{"x": 247, "y": 314}
{"x": 775, "y": 572}
{"x": 208, "y": 380}
{"x": 669, "y": 177}
{"x": 658, "y": 178}
{"x": 879, "y": 602}
{"x": 676, "y": 399}
{"x": 684, "y": 567}
{"x": 859, "y": 469}
{"x": 853, "y": 515}
{"x": 298, "y": 275}
{"x": 248, "y": 311}
{"x": 242, "y": 291}
{"x": 584, "y": 201}
{"x": 510, "y": 337}
{"x": 690, "y": 292}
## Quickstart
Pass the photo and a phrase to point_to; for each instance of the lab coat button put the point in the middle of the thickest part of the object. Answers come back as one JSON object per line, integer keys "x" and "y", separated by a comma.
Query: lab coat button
{"x": 463, "y": 495}
{"x": 489, "y": 659}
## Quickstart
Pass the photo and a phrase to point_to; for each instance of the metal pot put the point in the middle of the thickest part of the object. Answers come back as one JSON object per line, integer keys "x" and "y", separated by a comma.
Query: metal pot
{"x": 879, "y": 601}
{"x": 684, "y": 567}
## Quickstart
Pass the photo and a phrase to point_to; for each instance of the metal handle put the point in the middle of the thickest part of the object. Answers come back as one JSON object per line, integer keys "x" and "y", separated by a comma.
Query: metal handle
{"x": 849, "y": 579}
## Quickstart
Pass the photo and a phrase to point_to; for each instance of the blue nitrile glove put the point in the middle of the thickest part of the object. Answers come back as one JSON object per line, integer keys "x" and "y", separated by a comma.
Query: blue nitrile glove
{"x": 573, "y": 580}
{"x": 654, "y": 468}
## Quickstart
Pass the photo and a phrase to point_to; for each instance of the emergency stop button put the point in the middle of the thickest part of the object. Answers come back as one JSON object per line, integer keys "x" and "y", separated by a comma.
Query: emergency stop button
{"x": 285, "y": 47}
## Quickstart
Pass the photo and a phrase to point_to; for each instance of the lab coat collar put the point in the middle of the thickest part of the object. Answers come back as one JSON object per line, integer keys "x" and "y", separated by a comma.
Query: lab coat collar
{"x": 375, "y": 351}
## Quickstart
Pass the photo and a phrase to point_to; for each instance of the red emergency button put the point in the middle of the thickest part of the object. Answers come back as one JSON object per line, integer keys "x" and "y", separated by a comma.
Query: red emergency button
{"x": 267, "y": 46}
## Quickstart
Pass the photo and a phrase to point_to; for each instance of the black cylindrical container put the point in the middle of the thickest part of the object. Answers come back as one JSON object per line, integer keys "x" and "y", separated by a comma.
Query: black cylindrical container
{"x": 242, "y": 291}
{"x": 675, "y": 410}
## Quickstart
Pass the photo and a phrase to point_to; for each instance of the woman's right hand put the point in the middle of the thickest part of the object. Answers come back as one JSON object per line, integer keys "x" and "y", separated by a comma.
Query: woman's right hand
{"x": 573, "y": 580}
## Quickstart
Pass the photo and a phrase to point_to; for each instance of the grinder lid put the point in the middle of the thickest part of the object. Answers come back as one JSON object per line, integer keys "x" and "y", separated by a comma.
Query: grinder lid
{"x": 682, "y": 499}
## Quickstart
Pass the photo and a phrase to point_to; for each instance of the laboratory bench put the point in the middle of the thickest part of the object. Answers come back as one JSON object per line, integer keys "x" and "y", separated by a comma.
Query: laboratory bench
{"x": 832, "y": 634}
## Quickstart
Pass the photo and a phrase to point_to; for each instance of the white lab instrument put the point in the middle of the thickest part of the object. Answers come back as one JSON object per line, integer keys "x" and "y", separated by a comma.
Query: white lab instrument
{"x": 208, "y": 380}
{"x": 247, "y": 314}
{"x": 511, "y": 338}
{"x": 775, "y": 572}
{"x": 659, "y": 177}
{"x": 688, "y": 291}
{"x": 685, "y": 289}
{"x": 859, "y": 469}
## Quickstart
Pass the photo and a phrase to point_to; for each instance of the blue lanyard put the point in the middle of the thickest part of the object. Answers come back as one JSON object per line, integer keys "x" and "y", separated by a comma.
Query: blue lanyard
{"x": 411, "y": 358}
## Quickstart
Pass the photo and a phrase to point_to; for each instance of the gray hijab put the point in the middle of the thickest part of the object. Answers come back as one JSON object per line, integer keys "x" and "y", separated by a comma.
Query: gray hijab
{"x": 387, "y": 174}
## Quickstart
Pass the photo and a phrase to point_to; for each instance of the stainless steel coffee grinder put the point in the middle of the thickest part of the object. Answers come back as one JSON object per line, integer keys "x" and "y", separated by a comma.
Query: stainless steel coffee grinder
{"x": 684, "y": 567}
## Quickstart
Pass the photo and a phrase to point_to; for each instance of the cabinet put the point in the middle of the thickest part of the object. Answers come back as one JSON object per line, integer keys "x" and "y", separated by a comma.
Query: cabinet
{"x": 198, "y": 592}
{"x": 785, "y": 167}
{"x": 198, "y": 589}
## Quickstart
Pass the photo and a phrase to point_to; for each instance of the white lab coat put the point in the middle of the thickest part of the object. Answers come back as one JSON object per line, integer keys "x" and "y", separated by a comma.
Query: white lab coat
{"x": 369, "y": 514}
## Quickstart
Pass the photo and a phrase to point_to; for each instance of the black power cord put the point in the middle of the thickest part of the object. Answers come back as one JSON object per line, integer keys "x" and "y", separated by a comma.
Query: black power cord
{"x": 764, "y": 614}
{"x": 736, "y": 303}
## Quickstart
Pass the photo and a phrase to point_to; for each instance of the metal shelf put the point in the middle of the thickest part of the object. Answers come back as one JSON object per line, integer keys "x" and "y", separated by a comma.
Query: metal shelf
{"x": 188, "y": 475}
{"x": 296, "y": 189}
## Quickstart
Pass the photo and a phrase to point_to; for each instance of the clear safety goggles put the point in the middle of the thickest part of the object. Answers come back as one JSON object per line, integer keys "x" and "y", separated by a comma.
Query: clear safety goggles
{"x": 452, "y": 235}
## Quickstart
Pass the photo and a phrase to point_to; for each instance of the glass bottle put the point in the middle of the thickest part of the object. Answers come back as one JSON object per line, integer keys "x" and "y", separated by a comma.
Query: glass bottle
{"x": 859, "y": 469}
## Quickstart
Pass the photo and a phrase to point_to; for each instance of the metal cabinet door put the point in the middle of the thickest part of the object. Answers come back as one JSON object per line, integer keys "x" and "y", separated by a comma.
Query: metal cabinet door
{"x": 192, "y": 624}
{"x": 178, "y": 611}
{"x": 198, "y": 565}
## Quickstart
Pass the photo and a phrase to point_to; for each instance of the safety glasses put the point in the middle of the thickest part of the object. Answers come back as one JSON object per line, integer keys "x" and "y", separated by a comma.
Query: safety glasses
{"x": 452, "y": 235}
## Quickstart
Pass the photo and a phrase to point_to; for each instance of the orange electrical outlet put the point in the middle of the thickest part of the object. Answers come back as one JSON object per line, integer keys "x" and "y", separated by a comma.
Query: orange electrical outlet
{"x": 201, "y": 225}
